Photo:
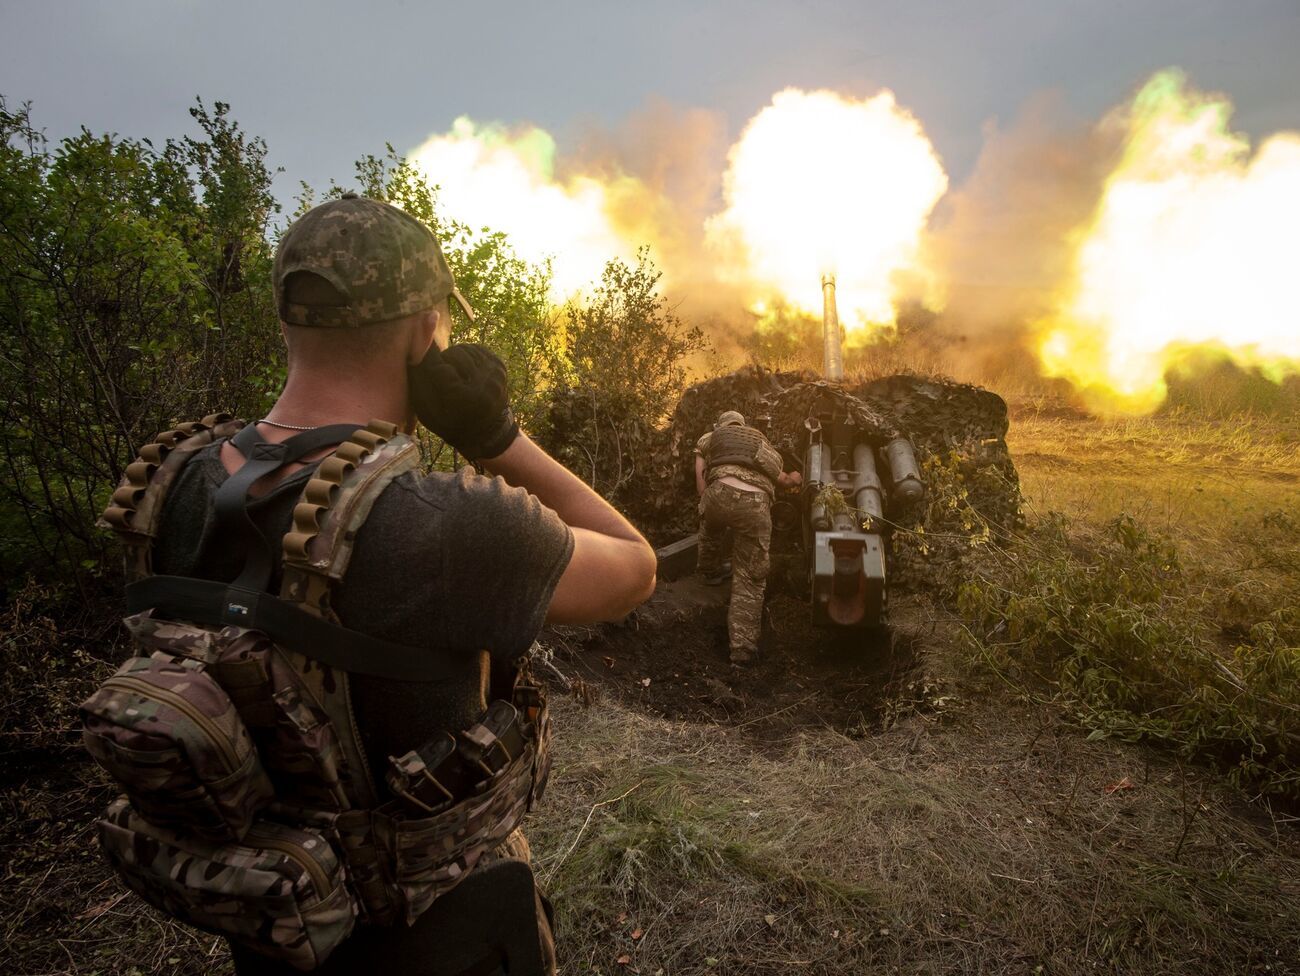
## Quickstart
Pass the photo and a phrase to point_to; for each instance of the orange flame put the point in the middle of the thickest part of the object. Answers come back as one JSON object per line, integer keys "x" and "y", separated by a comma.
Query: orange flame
{"x": 822, "y": 183}
{"x": 1193, "y": 247}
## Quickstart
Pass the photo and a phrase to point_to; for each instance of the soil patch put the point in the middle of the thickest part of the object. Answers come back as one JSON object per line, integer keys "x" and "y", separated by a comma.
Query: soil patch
{"x": 670, "y": 660}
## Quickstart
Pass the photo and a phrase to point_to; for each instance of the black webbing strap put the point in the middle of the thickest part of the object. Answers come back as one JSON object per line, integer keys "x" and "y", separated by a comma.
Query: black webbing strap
{"x": 246, "y": 602}
{"x": 215, "y": 604}
{"x": 234, "y": 523}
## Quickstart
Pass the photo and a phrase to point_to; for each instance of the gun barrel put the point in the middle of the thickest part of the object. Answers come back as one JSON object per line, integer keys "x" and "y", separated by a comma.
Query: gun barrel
{"x": 833, "y": 351}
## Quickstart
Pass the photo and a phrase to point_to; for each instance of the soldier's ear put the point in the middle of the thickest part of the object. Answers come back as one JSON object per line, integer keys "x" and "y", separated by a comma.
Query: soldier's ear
{"x": 425, "y": 332}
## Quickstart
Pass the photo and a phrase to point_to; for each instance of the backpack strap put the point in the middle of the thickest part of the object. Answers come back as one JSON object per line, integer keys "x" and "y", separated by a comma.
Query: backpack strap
{"x": 137, "y": 504}
{"x": 334, "y": 505}
{"x": 317, "y": 549}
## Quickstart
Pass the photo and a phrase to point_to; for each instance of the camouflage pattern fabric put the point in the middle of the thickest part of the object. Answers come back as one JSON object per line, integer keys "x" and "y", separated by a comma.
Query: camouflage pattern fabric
{"x": 749, "y": 516}
{"x": 172, "y": 738}
{"x": 297, "y": 743}
{"x": 384, "y": 262}
{"x": 213, "y": 729}
{"x": 280, "y": 892}
{"x": 431, "y": 855}
{"x": 738, "y": 471}
{"x": 958, "y": 432}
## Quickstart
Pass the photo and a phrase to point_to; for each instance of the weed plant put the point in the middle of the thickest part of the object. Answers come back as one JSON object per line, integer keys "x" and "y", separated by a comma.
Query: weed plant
{"x": 1109, "y": 623}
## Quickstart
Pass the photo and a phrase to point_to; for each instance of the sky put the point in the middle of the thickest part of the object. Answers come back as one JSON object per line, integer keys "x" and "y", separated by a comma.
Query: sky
{"x": 326, "y": 82}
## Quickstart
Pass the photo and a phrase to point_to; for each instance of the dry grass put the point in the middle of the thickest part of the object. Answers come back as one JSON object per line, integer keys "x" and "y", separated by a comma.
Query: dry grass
{"x": 1180, "y": 467}
{"x": 1225, "y": 491}
{"x": 976, "y": 834}
{"x": 63, "y": 912}
{"x": 986, "y": 841}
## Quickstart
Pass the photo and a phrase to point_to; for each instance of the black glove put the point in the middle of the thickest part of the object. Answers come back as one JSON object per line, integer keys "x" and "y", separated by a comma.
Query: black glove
{"x": 462, "y": 396}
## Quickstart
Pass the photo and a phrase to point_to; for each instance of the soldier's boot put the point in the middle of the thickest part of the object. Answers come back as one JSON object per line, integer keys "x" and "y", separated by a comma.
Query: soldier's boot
{"x": 743, "y": 657}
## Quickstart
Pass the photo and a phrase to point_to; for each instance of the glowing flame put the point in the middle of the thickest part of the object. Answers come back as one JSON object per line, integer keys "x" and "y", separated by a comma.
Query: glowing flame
{"x": 505, "y": 181}
{"x": 823, "y": 183}
{"x": 1194, "y": 246}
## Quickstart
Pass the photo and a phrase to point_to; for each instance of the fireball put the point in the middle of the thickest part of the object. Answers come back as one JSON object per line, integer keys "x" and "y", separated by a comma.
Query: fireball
{"x": 823, "y": 183}
{"x": 503, "y": 180}
{"x": 1194, "y": 247}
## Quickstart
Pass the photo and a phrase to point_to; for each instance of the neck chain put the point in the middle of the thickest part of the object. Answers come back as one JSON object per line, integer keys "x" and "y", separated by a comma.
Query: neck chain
{"x": 273, "y": 423}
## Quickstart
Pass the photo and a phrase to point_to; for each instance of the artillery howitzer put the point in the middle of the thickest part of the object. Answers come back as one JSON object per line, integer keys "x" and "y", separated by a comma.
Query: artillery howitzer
{"x": 843, "y": 508}
{"x": 843, "y": 504}
{"x": 859, "y": 446}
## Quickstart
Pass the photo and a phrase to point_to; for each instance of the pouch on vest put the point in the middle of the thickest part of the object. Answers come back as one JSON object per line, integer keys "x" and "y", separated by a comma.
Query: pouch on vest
{"x": 172, "y": 738}
{"x": 294, "y": 738}
{"x": 280, "y": 891}
{"x": 418, "y": 848}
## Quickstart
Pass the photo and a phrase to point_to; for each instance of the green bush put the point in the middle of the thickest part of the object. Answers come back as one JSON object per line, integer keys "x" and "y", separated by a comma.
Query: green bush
{"x": 134, "y": 292}
{"x": 624, "y": 366}
{"x": 1125, "y": 638}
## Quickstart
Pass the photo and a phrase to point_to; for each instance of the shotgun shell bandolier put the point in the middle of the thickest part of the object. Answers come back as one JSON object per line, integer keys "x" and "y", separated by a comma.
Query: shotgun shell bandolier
{"x": 248, "y": 807}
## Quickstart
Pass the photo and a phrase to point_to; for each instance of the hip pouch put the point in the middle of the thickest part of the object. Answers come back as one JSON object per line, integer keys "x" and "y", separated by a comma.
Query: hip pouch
{"x": 171, "y": 737}
{"x": 429, "y": 856}
{"x": 280, "y": 891}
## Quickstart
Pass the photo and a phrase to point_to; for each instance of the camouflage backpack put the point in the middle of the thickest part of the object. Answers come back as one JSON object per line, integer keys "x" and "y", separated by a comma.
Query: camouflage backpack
{"x": 248, "y": 808}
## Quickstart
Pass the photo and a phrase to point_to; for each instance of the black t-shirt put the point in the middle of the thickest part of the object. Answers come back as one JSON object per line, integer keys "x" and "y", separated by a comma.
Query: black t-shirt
{"x": 444, "y": 562}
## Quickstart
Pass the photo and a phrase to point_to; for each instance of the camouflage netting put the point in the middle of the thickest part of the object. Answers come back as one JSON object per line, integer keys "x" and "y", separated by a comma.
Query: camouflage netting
{"x": 959, "y": 432}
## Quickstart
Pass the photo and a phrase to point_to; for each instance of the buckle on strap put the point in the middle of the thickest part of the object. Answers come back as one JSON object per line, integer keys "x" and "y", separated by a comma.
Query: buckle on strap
{"x": 492, "y": 742}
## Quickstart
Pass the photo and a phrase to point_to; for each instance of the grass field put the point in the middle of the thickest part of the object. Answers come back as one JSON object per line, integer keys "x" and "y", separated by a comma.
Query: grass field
{"x": 982, "y": 831}
{"x": 968, "y": 825}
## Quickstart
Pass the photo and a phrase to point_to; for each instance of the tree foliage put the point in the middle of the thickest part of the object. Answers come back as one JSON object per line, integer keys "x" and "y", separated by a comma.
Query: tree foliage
{"x": 134, "y": 291}
{"x": 625, "y": 365}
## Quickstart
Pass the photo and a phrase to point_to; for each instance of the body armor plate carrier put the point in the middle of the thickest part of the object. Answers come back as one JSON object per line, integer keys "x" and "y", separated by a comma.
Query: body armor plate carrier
{"x": 745, "y": 446}
{"x": 248, "y": 808}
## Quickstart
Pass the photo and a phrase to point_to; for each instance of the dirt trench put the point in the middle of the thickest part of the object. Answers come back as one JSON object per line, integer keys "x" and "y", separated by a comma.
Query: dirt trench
{"x": 670, "y": 659}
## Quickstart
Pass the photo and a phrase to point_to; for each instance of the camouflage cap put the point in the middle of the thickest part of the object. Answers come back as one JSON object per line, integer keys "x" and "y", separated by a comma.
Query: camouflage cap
{"x": 384, "y": 262}
{"x": 730, "y": 418}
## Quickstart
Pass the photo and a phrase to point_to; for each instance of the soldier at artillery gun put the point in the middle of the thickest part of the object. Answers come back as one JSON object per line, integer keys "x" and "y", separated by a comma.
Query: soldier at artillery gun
{"x": 736, "y": 474}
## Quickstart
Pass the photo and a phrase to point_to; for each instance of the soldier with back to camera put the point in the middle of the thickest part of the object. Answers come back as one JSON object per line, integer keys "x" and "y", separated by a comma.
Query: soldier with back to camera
{"x": 736, "y": 474}
{"x": 329, "y": 727}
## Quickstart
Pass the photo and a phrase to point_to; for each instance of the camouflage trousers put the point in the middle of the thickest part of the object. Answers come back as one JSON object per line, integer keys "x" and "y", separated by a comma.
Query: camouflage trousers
{"x": 400, "y": 950}
{"x": 749, "y": 516}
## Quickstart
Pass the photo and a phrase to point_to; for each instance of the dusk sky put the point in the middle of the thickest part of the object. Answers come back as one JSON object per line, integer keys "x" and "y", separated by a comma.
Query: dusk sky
{"x": 326, "y": 82}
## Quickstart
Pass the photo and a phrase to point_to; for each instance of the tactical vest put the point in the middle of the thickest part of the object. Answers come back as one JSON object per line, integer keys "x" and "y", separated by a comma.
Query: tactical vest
{"x": 736, "y": 444}
{"x": 248, "y": 808}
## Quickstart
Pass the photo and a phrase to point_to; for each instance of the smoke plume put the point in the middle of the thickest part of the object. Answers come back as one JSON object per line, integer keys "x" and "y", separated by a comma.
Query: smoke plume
{"x": 1004, "y": 240}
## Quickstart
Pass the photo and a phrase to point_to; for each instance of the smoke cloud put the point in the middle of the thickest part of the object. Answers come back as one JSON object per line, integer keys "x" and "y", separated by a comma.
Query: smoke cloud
{"x": 973, "y": 283}
{"x": 1004, "y": 241}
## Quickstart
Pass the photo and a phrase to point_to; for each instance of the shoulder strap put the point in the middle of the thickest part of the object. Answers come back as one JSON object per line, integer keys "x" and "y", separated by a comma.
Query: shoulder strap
{"x": 231, "y": 501}
{"x": 333, "y": 507}
{"x": 317, "y": 549}
{"x": 216, "y": 604}
{"x": 137, "y": 505}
